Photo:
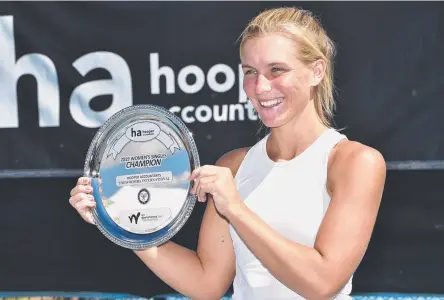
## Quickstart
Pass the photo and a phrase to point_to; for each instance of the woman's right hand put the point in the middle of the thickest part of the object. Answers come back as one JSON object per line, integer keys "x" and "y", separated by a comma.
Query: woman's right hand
{"x": 82, "y": 199}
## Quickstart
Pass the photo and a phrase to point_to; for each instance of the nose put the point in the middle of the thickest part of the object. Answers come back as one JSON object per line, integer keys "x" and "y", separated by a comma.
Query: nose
{"x": 263, "y": 85}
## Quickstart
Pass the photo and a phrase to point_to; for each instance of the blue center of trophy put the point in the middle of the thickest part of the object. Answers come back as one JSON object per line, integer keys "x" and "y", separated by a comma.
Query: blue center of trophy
{"x": 144, "y": 172}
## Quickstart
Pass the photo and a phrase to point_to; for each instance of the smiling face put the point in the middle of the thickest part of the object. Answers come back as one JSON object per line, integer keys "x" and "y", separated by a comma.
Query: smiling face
{"x": 277, "y": 83}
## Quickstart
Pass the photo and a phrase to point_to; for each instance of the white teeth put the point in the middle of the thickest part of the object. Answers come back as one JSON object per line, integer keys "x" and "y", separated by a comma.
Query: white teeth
{"x": 271, "y": 103}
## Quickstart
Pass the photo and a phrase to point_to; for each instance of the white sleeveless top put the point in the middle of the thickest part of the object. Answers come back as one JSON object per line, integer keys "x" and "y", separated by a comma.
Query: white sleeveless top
{"x": 292, "y": 198}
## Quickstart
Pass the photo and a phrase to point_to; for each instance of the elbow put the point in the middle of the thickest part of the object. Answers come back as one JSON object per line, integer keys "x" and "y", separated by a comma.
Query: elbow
{"x": 209, "y": 295}
{"x": 323, "y": 293}
{"x": 320, "y": 287}
{"x": 209, "y": 291}
{"x": 324, "y": 290}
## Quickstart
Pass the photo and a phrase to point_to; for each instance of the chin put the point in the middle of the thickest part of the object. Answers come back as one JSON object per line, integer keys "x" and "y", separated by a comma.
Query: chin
{"x": 272, "y": 123}
{"x": 275, "y": 117}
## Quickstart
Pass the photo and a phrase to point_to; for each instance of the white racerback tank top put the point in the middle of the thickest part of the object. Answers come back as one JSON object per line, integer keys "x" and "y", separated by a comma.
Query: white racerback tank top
{"x": 292, "y": 198}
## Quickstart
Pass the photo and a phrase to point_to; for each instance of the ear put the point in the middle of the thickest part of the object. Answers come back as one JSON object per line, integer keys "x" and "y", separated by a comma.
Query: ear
{"x": 317, "y": 72}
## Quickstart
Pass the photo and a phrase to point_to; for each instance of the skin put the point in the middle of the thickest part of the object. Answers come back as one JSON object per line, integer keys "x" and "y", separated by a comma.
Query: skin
{"x": 355, "y": 182}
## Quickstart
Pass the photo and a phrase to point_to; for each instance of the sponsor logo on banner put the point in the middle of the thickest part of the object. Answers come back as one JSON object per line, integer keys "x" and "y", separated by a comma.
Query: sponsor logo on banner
{"x": 44, "y": 71}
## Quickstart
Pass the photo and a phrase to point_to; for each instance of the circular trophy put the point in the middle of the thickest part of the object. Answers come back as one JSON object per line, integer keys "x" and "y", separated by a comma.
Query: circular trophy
{"x": 139, "y": 162}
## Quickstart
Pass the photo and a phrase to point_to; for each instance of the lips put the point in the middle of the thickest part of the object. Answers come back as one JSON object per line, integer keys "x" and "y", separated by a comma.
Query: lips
{"x": 271, "y": 102}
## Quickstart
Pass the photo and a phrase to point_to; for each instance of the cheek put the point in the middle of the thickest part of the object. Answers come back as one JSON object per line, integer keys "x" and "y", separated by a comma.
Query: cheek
{"x": 285, "y": 85}
{"x": 293, "y": 86}
{"x": 249, "y": 86}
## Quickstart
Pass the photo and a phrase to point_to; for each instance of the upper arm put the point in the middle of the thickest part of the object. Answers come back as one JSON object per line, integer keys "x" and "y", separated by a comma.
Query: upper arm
{"x": 215, "y": 247}
{"x": 356, "y": 179}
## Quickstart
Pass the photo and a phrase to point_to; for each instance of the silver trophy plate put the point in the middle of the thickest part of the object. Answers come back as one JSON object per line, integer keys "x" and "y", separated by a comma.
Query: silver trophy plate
{"x": 139, "y": 162}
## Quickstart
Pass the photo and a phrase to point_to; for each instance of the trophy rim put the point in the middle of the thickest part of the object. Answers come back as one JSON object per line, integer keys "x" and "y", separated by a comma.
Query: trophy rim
{"x": 182, "y": 217}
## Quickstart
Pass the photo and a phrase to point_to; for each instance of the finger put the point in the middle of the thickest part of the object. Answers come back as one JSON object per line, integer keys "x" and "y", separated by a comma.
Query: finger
{"x": 83, "y": 180}
{"x": 205, "y": 189}
{"x": 202, "y": 195}
{"x": 204, "y": 181}
{"x": 84, "y": 209}
{"x": 99, "y": 183}
{"x": 195, "y": 186}
{"x": 79, "y": 197}
{"x": 199, "y": 192}
{"x": 84, "y": 205}
{"x": 88, "y": 181}
{"x": 195, "y": 173}
{"x": 207, "y": 179}
{"x": 98, "y": 179}
{"x": 87, "y": 189}
{"x": 203, "y": 171}
{"x": 88, "y": 216}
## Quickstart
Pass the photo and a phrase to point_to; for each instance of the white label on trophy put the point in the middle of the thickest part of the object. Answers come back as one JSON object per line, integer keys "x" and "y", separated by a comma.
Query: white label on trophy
{"x": 143, "y": 161}
{"x": 139, "y": 198}
{"x": 144, "y": 221}
{"x": 142, "y": 132}
{"x": 144, "y": 178}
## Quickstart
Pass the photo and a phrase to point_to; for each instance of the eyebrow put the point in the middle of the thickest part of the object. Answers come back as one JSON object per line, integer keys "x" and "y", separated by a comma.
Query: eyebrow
{"x": 268, "y": 65}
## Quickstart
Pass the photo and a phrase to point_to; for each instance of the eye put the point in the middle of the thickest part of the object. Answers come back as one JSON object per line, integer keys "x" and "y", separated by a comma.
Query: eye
{"x": 276, "y": 70}
{"x": 248, "y": 72}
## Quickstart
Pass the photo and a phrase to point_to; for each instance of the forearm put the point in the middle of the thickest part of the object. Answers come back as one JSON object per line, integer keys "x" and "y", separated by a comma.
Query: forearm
{"x": 300, "y": 268}
{"x": 178, "y": 267}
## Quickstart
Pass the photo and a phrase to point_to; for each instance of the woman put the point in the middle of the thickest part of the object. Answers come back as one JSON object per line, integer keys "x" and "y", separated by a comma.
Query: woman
{"x": 290, "y": 217}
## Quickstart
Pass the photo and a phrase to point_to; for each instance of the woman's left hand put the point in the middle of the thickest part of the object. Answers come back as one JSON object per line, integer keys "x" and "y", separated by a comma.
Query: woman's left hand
{"x": 219, "y": 182}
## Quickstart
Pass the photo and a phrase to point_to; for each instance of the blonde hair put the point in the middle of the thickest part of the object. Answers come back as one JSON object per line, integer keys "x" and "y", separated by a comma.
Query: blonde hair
{"x": 303, "y": 27}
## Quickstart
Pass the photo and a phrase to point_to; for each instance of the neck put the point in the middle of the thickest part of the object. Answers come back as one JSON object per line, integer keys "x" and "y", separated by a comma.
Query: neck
{"x": 288, "y": 141}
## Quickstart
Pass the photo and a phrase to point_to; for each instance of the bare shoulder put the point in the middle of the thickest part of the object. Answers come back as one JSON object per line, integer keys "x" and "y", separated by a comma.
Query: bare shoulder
{"x": 350, "y": 153}
{"x": 233, "y": 159}
{"x": 350, "y": 160}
